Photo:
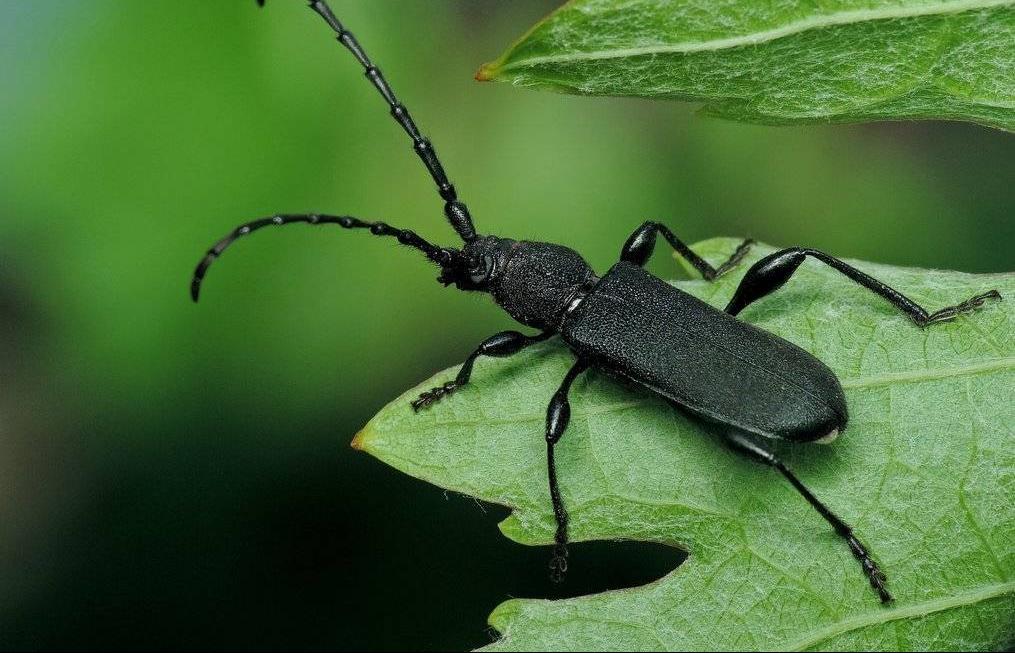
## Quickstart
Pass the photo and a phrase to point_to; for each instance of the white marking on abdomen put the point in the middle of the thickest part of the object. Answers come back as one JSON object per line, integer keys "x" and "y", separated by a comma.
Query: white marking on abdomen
{"x": 829, "y": 437}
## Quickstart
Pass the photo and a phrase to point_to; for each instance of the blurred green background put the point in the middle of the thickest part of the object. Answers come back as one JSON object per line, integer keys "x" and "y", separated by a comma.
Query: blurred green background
{"x": 178, "y": 476}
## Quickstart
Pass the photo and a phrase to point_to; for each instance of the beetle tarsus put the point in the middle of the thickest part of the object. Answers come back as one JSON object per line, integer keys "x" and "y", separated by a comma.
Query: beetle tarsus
{"x": 742, "y": 250}
{"x": 968, "y": 306}
{"x": 558, "y": 563}
{"x": 874, "y": 574}
{"x": 432, "y": 396}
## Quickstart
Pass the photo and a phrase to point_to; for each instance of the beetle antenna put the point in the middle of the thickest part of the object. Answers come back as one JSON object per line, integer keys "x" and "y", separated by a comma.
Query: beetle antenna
{"x": 404, "y": 236}
{"x": 457, "y": 213}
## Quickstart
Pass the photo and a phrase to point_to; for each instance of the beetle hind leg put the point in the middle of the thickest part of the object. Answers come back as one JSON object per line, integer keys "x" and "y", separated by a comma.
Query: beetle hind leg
{"x": 875, "y": 576}
{"x": 770, "y": 273}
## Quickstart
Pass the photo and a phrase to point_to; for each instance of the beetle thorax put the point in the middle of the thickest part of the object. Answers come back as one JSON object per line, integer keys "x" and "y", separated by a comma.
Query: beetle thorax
{"x": 537, "y": 282}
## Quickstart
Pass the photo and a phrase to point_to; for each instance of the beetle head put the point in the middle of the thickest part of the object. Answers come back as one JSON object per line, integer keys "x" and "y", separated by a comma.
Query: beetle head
{"x": 477, "y": 265}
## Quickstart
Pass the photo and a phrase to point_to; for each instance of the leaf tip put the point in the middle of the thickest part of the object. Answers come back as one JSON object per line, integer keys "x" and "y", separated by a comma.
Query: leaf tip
{"x": 487, "y": 72}
{"x": 513, "y": 529}
{"x": 502, "y": 616}
{"x": 359, "y": 441}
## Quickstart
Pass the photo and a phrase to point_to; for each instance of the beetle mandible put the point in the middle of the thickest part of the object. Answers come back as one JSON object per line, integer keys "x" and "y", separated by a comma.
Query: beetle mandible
{"x": 634, "y": 325}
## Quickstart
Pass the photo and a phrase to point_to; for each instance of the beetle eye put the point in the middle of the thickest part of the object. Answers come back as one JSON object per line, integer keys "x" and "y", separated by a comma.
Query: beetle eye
{"x": 479, "y": 269}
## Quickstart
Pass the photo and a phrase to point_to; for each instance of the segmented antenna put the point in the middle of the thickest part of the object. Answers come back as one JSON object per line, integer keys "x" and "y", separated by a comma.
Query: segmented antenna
{"x": 404, "y": 236}
{"x": 457, "y": 213}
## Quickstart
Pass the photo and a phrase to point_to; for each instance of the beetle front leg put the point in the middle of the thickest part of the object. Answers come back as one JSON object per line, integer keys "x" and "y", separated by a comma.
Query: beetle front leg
{"x": 638, "y": 249}
{"x": 770, "y": 273}
{"x": 558, "y": 415}
{"x": 745, "y": 445}
{"x": 499, "y": 345}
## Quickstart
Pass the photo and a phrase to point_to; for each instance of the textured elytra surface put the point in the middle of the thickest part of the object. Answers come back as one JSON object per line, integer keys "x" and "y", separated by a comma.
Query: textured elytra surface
{"x": 777, "y": 61}
{"x": 925, "y": 473}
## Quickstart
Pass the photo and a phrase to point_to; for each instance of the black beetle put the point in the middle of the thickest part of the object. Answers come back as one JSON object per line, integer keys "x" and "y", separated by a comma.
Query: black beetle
{"x": 741, "y": 381}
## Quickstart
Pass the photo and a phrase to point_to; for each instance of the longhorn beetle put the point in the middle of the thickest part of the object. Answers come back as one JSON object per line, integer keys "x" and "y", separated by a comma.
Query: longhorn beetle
{"x": 738, "y": 379}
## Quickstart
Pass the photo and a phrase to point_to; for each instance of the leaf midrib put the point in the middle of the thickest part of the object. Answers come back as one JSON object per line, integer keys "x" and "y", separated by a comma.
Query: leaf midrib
{"x": 850, "y": 624}
{"x": 871, "y": 381}
{"x": 982, "y": 593}
{"x": 763, "y": 36}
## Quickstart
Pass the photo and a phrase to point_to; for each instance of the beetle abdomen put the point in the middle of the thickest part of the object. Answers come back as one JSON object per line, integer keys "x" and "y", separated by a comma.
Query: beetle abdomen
{"x": 704, "y": 360}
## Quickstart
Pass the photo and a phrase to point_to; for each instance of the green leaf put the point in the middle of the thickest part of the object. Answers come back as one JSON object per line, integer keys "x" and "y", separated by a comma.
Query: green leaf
{"x": 780, "y": 62}
{"x": 925, "y": 473}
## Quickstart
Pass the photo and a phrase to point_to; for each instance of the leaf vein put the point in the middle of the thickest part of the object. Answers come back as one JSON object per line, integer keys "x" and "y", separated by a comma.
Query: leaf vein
{"x": 887, "y": 615}
{"x": 763, "y": 36}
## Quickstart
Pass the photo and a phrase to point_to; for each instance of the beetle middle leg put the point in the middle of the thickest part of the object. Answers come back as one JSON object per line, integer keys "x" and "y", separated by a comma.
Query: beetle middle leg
{"x": 745, "y": 445}
{"x": 558, "y": 415}
{"x": 499, "y": 345}
{"x": 642, "y": 242}
{"x": 771, "y": 272}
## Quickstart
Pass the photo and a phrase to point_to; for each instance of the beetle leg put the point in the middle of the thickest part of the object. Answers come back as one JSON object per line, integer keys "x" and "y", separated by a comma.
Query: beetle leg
{"x": 499, "y": 345}
{"x": 642, "y": 242}
{"x": 751, "y": 448}
{"x": 770, "y": 273}
{"x": 558, "y": 414}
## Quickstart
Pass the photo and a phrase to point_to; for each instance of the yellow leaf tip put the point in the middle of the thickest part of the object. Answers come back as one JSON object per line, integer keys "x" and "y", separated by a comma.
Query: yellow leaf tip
{"x": 359, "y": 441}
{"x": 486, "y": 72}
